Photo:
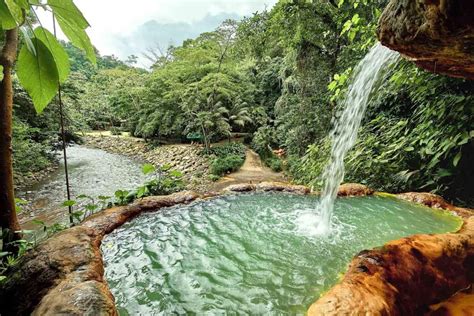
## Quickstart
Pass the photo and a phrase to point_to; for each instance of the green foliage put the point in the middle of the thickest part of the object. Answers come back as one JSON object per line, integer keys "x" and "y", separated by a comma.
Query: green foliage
{"x": 420, "y": 142}
{"x": 214, "y": 177}
{"x": 73, "y": 24}
{"x": 228, "y": 164}
{"x": 115, "y": 131}
{"x": 36, "y": 74}
{"x": 57, "y": 51}
{"x": 417, "y": 136}
{"x": 29, "y": 155}
{"x": 49, "y": 230}
{"x": 275, "y": 163}
{"x": 231, "y": 148}
{"x": 8, "y": 259}
{"x": 42, "y": 62}
{"x": 148, "y": 168}
{"x": 225, "y": 158}
{"x": 164, "y": 181}
{"x": 263, "y": 141}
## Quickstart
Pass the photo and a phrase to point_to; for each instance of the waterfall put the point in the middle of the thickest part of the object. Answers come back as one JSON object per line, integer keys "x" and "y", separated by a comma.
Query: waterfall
{"x": 344, "y": 134}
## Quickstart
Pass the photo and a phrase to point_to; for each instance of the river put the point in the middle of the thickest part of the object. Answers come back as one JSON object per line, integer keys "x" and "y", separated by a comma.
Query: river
{"x": 92, "y": 172}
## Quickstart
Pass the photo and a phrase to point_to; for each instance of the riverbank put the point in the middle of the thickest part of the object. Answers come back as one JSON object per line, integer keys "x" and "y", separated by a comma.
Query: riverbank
{"x": 24, "y": 180}
{"x": 182, "y": 157}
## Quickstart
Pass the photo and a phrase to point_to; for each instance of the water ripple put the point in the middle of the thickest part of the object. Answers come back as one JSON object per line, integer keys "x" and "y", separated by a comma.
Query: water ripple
{"x": 250, "y": 253}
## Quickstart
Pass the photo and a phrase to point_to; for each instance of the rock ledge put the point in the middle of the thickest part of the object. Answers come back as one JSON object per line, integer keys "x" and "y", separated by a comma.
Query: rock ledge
{"x": 437, "y": 35}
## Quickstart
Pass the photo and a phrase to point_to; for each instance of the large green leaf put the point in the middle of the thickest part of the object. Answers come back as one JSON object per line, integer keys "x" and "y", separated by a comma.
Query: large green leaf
{"x": 7, "y": 21}
{"x": 73, "y": 25}
{"x": 78, "y": 37}
{"x": 22, "y": 4}
{"x": 67, "y": 10}
{"x": 16, "y": 11}
{"x": 38, "y": 74}
{"x": 27, "y": 36}
{"x": 57, "y": 50}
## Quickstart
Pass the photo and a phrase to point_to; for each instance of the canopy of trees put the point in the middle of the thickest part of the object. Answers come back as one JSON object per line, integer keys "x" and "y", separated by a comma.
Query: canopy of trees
{"x": 279, "y": 76}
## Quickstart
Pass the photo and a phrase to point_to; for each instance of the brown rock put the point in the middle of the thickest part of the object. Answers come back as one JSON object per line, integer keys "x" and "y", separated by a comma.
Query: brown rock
{"x": 434, "y": 201}
{"x": 437, "y": 35}
{"x": 283, "y": 187}
{"x": 243, "y": 187}
{"x": 462, "y": 303}
{"x": 65, "y": 274}
{"x": 403, "y": 277}
{"x": 354, "y": 189}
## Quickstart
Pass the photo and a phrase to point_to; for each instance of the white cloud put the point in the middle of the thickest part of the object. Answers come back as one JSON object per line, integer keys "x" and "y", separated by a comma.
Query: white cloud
{"x": 111, "y": 19}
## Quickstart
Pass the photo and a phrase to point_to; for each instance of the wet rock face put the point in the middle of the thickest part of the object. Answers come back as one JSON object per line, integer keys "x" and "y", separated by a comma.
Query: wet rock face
{"x": 409, "y": 275}
{"x": 437, "y": 35}
{"x": 354, "y": 189}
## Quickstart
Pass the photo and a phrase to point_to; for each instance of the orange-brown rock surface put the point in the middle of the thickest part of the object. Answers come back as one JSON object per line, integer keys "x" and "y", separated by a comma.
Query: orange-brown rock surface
{"x": 65, "y": 274}
{"x": 354, "y": 189}
{"x": 437, "y": 35}
{"x": 434, "y": 201}
{"x": 283, "y": 187}
{"x": 406, "y": 276}
{"x": 411, "y": 276}
{"x": 460, "y": 304}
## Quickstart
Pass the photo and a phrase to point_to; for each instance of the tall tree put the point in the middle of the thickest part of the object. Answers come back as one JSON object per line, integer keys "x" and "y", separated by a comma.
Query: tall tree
{"x": 8, "y": 216}
{"x": 42, "y": 66}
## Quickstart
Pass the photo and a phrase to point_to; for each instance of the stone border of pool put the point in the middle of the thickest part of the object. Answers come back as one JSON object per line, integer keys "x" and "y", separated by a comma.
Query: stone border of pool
{"x": 409, "y": 276}
{"x": 65, "y": 273}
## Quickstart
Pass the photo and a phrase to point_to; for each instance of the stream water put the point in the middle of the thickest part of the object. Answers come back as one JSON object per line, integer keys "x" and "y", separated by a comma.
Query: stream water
{"x": 344, "y": 134}
{"x": 92, "y": 172}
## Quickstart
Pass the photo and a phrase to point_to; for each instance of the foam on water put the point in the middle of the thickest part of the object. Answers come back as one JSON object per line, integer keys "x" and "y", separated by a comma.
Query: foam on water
{"x": 344, "y": 134}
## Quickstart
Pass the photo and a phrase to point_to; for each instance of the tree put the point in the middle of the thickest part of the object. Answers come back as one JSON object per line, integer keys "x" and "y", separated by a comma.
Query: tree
{"x": 207, "y": 116}
{"x": 42, "y": 66}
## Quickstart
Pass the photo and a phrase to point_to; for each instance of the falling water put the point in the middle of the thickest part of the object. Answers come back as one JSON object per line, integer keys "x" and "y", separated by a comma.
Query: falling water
{"x": 344, "y": 134}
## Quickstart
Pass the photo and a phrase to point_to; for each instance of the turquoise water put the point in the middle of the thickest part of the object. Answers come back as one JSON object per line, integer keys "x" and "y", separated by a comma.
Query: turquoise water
{"x": 249, "y": 253}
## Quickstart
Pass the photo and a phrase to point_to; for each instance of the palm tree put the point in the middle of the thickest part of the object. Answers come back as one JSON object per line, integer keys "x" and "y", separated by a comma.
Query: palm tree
{"x": 208, "y": 117}
{"x": 239, "y": 113}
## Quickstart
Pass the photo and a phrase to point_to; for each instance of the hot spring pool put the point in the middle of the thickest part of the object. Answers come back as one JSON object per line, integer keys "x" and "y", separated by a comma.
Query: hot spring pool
{"x": 249, "y": 253}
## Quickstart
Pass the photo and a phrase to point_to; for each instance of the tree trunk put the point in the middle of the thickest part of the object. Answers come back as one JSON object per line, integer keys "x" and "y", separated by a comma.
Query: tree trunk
{"x": 8, "y": 218}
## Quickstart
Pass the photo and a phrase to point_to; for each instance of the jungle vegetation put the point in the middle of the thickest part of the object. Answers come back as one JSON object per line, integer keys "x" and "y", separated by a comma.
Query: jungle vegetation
{"x": 279, "y": 77}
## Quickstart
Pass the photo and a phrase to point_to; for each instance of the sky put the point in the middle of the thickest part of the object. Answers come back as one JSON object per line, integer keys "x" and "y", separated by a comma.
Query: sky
{"x": 123, "y": 28}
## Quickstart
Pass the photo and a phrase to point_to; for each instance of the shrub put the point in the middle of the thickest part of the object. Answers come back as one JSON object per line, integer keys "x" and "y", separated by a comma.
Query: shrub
{"x": 222, "y": 151}
{"x": 29, "y": 156}
{"x": 213, "y": 177}
{"x": 115, "y": 131}
{"x": 221, "y": 166}
{"x": 274, "y": 163}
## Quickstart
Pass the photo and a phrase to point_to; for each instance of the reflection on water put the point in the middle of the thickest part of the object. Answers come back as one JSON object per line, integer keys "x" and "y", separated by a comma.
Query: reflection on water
{"x": 92, "y": 172}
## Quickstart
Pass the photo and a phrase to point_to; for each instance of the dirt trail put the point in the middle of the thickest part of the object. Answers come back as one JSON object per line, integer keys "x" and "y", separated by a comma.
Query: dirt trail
{"x": 253, "y": 171}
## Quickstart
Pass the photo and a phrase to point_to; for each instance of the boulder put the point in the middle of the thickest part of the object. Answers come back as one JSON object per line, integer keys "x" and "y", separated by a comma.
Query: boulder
{"x": 64, "y": 275}
{"x": 409, "y": 276}
{"x": 354, "y": 189}
{"x": 283, "y": 187}
{"x": 437, "y": 35}
{"x": 434, "y": 201}
{"x": 404, "y": 277}
{"x": 243, "y": 187}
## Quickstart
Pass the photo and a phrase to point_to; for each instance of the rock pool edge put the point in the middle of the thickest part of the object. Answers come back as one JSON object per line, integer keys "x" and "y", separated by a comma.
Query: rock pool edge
{"x": 65, "y": 274}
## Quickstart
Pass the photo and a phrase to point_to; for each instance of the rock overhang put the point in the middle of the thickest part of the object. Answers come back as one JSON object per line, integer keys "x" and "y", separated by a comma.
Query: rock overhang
{"x": 437, "y": 35}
